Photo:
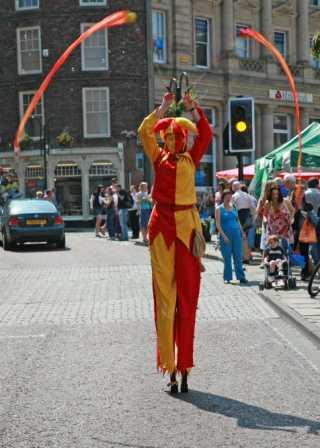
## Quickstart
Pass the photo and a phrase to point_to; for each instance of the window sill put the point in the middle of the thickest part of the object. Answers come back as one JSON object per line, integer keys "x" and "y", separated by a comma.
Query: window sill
{"x": 202, "y": 67}
{"x": 90, "y": 137}
{"x": 30, "y": 73}
{"x": 27, "y": 9}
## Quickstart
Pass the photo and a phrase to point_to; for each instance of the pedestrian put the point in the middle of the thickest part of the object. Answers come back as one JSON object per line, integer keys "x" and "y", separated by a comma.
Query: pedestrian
{"x": 279, "y": 216}
{"x": 39, "y": 194}
{"x": 48, "y": 196}
{"x": 110, "y": 212}
{"x": 289, "y": 186}
{"x": 245, "y": 206}
{"x": 133, "y": 213}
{"x": 175, "y": 236}
{"x": 96, "y": 204}
{"x": 231, "y": 236}
{"x": 115, "y": 189}
{"x": 275, "y": 259}
{"x": 312, "y": 197}
{"x": 260, "y": 220}
{"x": 124, "y": 203}
{"x": 144, "y": 202}
{"x": 218, "y": 194}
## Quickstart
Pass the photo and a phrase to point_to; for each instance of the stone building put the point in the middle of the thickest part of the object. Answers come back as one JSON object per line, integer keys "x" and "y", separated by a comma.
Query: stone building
{"x": 98, "y": 97}
{"x": 202, "y": 38}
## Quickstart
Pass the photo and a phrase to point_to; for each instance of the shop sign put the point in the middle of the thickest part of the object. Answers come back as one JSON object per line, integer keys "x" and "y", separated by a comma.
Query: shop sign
{"x": 286, "y": 95}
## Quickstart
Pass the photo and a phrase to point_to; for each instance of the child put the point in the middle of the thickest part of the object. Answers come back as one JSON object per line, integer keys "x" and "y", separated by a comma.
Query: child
{"x": 275, "y": 257}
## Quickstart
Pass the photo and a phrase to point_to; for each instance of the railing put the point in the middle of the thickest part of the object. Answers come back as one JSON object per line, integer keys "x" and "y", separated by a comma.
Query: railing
{"x": 252, "y": 65}
{"x": 296, "y": 70}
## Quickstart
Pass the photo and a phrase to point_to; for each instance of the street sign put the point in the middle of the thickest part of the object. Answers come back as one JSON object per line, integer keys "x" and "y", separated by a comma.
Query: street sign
{"x": 241, "y": 125}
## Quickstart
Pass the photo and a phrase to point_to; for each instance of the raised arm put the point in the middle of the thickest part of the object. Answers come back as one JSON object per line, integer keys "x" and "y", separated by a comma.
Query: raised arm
{"x": 147, "y": 136}
{"x": 204, "y": 136}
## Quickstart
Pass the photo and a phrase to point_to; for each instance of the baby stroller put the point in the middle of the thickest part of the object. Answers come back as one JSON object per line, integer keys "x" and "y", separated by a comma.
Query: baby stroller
{"x": 283, "y": 274}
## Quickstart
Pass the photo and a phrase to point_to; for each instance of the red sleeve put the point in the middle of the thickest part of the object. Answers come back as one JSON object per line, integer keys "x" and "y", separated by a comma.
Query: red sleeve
{"x": 202, "y": 140}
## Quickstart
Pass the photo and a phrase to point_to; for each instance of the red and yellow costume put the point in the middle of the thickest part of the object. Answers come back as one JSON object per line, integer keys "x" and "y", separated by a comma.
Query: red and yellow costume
{"x": 174, "y": 220}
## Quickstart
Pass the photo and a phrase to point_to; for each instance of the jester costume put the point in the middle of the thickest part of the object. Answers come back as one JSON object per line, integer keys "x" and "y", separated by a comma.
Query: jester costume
{"x": 172, "y": 227}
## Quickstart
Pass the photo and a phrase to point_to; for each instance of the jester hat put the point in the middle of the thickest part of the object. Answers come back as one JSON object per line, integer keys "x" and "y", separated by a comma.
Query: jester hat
{"x": 174, "y": 132}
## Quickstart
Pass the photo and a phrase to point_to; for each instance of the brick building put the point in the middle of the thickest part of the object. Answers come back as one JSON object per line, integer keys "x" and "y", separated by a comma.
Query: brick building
{"x": 202, "y": 38}
{"x": 98, "y": 97}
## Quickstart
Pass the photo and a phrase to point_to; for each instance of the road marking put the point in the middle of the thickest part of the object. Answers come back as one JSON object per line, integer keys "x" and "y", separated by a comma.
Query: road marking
{"x": 25, "y": 336}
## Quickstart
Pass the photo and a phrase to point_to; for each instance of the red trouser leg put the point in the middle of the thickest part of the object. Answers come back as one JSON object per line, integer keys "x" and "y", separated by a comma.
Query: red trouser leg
{"x": 188, "y": 288}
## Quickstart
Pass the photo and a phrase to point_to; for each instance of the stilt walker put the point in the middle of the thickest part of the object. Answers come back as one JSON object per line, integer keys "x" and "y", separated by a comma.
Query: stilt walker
{"x": 175, "y": 232}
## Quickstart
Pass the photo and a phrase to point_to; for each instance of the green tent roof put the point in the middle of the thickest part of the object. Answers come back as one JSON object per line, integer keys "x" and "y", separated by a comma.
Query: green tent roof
{"x": 286, "y": 156}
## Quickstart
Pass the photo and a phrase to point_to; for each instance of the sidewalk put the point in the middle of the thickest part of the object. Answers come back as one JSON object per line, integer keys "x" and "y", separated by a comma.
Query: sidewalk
{"x": 295, "y": 305}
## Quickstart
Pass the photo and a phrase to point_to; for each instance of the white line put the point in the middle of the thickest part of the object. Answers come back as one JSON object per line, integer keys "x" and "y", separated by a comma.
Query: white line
{"x": 25, "y": 336}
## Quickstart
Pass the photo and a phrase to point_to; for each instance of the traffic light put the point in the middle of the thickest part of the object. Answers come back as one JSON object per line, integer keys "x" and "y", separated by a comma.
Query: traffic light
{"x": 241, "y": 125}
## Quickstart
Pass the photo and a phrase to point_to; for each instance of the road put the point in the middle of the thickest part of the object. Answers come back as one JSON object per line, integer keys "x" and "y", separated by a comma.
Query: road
{"x": 78, "y": 358}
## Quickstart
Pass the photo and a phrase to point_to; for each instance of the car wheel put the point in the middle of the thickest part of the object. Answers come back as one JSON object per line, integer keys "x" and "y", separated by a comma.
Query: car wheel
{"x": 62, "y": 243}
{"x": 5, "y": 243}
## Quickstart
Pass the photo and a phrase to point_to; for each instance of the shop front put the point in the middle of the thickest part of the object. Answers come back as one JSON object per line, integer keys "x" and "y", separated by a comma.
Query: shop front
{"x": 72, "y": 173}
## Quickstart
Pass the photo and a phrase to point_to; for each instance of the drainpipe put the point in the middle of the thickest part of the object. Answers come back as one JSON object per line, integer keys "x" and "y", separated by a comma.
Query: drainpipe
{"x": 150, "y": 75}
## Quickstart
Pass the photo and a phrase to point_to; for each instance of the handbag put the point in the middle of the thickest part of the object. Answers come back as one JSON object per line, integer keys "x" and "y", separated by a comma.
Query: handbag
{"x": 248, "y": 224}
{"x": 308, "y": 234}
{"x": 199, "y": 245}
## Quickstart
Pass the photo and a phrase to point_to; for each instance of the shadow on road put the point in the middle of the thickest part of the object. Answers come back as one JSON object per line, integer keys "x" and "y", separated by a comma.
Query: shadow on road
{"x": 38, "y": 248}
{"x": 247, "y": 415}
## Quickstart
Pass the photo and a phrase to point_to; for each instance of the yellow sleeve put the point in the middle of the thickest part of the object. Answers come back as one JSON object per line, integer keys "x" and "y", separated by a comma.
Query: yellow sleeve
{"x": 148, "y": 137}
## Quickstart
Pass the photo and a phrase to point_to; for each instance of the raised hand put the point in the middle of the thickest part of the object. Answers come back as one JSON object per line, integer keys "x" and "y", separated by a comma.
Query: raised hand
{"x": 188, "y": 102}
{"x": 167, "y": 100}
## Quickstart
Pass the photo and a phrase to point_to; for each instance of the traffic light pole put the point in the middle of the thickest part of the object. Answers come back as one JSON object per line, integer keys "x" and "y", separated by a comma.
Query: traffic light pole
{"x": 240, "y": 167}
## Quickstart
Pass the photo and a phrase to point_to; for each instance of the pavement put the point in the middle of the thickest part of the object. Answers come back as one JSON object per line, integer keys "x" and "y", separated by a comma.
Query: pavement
{"x": 295, "y": 304}
{"x": 78, "y": 358}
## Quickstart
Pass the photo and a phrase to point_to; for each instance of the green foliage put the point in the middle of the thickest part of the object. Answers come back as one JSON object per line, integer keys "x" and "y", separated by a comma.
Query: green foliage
{"x": 177, "y": 109}
{"x": 26, "y": 140}
{"x": 65, "y": 138}
{"x": 315, "y": 46}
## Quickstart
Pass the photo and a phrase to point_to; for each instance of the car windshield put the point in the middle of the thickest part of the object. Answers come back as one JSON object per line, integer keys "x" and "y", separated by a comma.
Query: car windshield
{"x": 31, "y": 206}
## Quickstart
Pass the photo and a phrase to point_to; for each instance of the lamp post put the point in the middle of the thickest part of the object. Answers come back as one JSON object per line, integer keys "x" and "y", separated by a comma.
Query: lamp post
{"x": 44, "y": 149}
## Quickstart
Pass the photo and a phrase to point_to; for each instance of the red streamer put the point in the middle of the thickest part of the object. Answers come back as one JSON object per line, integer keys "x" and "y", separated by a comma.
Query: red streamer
{"x": 249, "y": 32}
{"x": 116, "y": 19}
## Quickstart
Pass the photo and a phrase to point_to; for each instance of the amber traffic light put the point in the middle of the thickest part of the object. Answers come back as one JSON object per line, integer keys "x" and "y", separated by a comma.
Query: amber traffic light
{"x": 241, "y": 125}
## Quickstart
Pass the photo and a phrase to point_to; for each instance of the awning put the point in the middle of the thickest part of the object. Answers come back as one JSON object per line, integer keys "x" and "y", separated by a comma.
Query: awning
{"x": 248, "y": 173}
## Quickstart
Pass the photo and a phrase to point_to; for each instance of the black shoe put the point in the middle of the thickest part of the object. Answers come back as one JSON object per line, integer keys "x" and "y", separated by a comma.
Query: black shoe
{"x": 173, "y": 384}
{"x": 244, "y": 281}
{"x": 184, "y": 384}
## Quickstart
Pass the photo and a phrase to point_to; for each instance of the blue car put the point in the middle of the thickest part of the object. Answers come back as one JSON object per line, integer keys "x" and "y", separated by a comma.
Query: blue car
{"x": 31, "y": 220}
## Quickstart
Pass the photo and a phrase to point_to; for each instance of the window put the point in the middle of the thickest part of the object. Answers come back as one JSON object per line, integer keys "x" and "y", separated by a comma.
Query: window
{"x": 96, "y": 112}
{"x": 35, "y": 123}
{"x": 159, "y": 37}
{"x": 140, "y": 161}
{"x": 315, "y": 3}
{"x": 29, "y": 50}
{"x": 34, "y": 172}
{"x": 315, "y": 63}
{"x": 27, "y": 4}
{"x": 242, "y": 44}
{"x": 67, "y": 169}
{"x": 281, "y": 129}
{"x": 202, "y": 42}
{"x": 280, "y": 40}
{"x": 314, "y": 120}
{"x": 93, "y": 2}
{"x": 94, "y": 50}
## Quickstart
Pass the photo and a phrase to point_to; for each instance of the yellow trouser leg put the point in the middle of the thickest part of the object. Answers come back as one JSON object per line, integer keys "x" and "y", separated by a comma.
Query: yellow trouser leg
{"x": 165, "y": 291}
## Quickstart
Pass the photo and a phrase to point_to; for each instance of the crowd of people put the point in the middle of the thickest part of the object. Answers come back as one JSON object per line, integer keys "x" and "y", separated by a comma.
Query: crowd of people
{"x": 9, "y": 188}
{"x": 116, "y": 209}
{"x": 279, "y": 217}
{"x": 241, "y": 221}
